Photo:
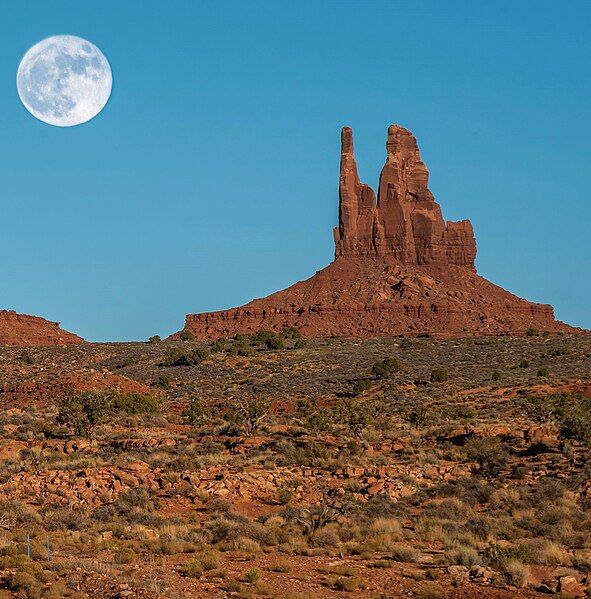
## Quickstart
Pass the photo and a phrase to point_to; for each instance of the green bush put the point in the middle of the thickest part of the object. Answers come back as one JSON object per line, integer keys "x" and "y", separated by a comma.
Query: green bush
{"x": 195, "y": 414}
{"x": 439, "y": 375}
{"x": 135, "y": 403}
{"x": 253, "y": 575}
{"x": 524, "y": 363}
{"x": 361, "y": 386}
{"x": 543, "y": 373}
{"x": 186, "y": 335}
{"x": 386, "y": 367}
{"x": 572, "y": 414}
{"x": 181, "y": 357}
{"x": 291, "y": 333}
{"x": 154, "y": 339}
{"x": 275, "y": 342}
{"x": 83, "y": 412}
{"x": 313, "y": 418}
{"x": 352, "y": 413}
{"x": 192, "y": 569}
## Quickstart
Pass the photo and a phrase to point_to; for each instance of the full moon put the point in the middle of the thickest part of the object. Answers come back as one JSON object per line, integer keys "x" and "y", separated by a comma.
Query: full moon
{"x": 64, "y": 80}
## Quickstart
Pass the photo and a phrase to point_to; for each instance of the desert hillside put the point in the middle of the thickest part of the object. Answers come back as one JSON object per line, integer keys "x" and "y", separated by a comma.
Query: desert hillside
{"x": 268, "y": 466}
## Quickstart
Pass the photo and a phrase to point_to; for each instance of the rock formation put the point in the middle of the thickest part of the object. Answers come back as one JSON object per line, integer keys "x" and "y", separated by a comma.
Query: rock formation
{"x": 399, "y": 268}
{"x": 21, "y": 329}
{"x": 405, "y": 222}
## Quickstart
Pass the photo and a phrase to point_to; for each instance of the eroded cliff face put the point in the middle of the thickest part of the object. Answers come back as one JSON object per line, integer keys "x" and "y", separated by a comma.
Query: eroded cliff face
{"x": 405, "y": 222}
{"x": 22, "y": 329}
{"x": 399, "y": 268}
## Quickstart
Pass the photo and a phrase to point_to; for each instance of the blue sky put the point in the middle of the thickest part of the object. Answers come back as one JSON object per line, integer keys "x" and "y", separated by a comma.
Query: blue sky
{"x": 211, "y": 176}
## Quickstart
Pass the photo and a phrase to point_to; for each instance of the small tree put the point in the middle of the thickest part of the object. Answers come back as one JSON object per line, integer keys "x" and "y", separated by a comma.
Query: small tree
{"x": 251, "y": 411}
{"x": 83, "y": 412}
{"x": 314, "y": 419}
{"x": 386, "y": 367}
{"x": 195, "y": 414}
{"x": 154, "y": 339}
{"x": 352, "y": 413}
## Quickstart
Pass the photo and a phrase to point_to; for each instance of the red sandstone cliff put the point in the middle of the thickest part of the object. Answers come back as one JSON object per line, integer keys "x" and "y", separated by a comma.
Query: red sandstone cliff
{"x": 21, "y": 329}
{"x": 399, "y": 268}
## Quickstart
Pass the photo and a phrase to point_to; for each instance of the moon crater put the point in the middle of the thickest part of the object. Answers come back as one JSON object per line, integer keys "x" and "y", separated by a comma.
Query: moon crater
{"x": 64, "y": 80}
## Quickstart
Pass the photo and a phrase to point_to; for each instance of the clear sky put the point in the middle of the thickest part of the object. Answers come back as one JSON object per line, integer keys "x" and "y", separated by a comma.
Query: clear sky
{"x": 211, "y": 176}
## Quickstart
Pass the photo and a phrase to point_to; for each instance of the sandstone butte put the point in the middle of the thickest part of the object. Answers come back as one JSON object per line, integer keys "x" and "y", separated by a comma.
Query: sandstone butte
{"x": 399, "y": 269}
{"x": 22, "y": 329}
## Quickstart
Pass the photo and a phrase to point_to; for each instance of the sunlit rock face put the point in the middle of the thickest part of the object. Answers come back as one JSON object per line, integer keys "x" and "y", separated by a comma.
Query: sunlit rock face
{"x": 405, "y": 222}
{"x": 399, "y": 269}
{"x": 64, "y": 80}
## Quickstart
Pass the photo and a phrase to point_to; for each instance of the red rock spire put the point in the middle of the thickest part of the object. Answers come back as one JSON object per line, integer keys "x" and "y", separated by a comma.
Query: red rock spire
{"x": 406, "y": 222}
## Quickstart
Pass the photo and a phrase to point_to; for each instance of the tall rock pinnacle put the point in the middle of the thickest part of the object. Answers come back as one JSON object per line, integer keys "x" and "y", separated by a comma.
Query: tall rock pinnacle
{"x": 406, "y": 222}
{"x": 399, "y": 269}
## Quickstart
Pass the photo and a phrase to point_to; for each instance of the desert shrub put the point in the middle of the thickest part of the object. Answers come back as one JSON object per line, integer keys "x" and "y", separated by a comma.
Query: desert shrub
{"x": 403, "y": 553}
{"x": 26, "y": 585}
{"x": 252, "y": 575}
{"x": 311, "y": 454}
{"x": 488, "y": 452}
{"x": 195, "y": 414}
{"x": 291, "y": 333}
{"x": 125, "y": 555}
{"x": 524, "y": 363}
{"x": 325, "y": 537}
{"x": 313, "y": 418}
{"x": 496, "y": 376}
{"x": 83, "y": 412}
{"x": 249, "y": 411}
{"x": 386, "y": 367}
{"x": 186, "y": 335}
{"x": 13, "y": 513}
{"x": 572, "y": 414}
{"x": 181, "y": 357}
{"x": 161, "y": 381}
{"x": 192, "y": 569}
{"x": 543, "y": 373}
{"x": 26, "y": 357}
{"x": 532, "y": 332}
{"x": 134, "y": 403}
{"x": 514, "y": 572}
{"x": 439, "y": 375}
{"x": 361, "y": 386}
{"x": 352, "y": 413}
{"x": 461, "y": 555}
{"x": 219, "y": 345}
{"x": 313, "y": 518}
{"x": 270, "y": 339}
{"x": 241, "y": 346}
{"x": 155, "y": 339}
{"x": 275, "y": 342}
{"x": 497, "y": 553}
{"x": 65, "y": 519}
{"x": 344, "y": 583}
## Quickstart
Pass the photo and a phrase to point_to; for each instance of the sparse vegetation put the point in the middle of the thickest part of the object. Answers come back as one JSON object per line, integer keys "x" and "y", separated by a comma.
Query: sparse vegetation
{"x": 230, "y": 473}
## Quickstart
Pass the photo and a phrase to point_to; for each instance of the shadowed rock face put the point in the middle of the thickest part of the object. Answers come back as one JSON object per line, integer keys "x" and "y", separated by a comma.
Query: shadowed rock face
{"x": 399, "y": 268}
{"x": 405, "y": 222}
{"x": 21, "y": 329}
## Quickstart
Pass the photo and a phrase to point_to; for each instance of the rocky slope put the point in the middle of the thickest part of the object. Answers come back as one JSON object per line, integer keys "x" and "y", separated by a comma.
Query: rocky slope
{"x": 22, "y": 329}
{"x": 399, "y": 268}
